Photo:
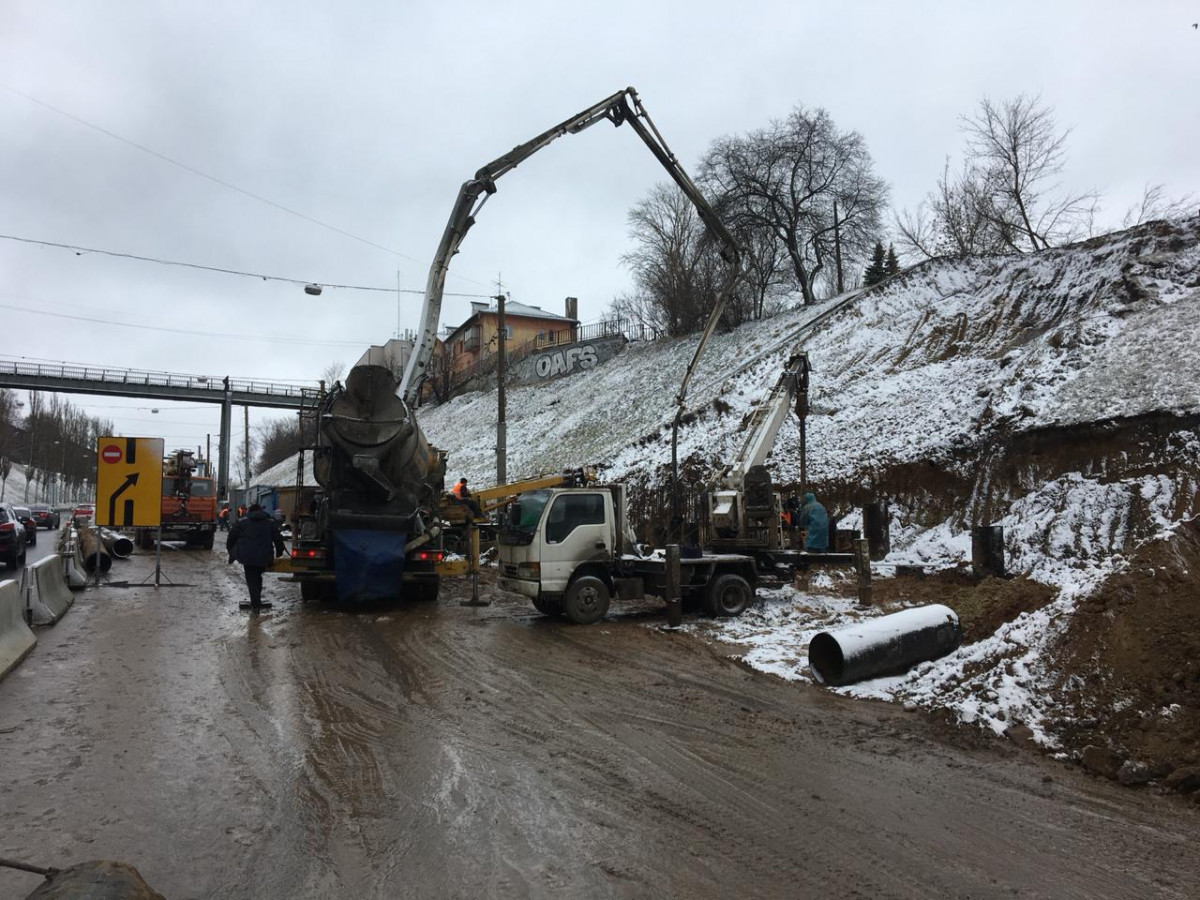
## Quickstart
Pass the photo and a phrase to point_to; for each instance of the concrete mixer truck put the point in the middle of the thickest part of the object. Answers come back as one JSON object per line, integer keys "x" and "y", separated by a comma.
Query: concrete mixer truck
{"x": 371, "y": 532}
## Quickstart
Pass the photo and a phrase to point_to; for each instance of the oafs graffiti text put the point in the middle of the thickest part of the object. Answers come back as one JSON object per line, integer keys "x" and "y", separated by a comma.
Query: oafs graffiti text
{"x": 560, "y": 362}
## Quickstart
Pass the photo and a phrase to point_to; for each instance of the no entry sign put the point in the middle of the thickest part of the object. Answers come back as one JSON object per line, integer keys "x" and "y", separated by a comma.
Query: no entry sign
{"x": 111, "y": 454}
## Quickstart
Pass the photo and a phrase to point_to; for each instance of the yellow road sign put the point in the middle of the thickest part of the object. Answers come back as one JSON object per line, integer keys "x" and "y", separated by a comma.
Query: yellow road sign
{"x": 129, "y": 476}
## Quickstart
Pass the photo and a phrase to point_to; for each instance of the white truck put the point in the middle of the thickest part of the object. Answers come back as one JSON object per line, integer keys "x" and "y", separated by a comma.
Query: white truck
{"x": 569, "y": 551}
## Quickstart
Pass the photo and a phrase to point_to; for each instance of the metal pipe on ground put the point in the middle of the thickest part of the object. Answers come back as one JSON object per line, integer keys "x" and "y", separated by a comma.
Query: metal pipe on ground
{"x": 116, "y": 543}
{"x": 884, "y": 645}
{"x": 92, "y": 553}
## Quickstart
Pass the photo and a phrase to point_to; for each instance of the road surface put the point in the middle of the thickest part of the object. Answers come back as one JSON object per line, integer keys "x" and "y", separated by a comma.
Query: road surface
{"x": 436, "y": 750}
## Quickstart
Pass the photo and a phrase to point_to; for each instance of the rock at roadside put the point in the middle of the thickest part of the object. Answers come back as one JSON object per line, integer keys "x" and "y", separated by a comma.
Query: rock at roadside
{"x": 1101, "y": 761}
{"x": 1135, "y": 774}
{"x": 1020, "y": 734}
{"x": 1185, "y": 780}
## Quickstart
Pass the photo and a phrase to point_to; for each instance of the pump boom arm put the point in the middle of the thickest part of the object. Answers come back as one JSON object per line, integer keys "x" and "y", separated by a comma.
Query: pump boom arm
{"x": 623, "y": 106}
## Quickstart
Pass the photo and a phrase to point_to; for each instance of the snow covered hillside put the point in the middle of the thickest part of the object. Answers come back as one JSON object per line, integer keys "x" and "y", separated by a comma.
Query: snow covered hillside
{"x": 922, "y": 390}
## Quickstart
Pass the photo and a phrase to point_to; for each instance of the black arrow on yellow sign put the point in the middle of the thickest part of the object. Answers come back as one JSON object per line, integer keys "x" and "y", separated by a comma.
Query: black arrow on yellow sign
{"x": 130, "y": 481}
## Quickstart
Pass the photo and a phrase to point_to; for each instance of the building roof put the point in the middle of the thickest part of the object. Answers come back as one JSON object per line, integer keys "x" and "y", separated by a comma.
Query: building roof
{"x": 511, "y": 308}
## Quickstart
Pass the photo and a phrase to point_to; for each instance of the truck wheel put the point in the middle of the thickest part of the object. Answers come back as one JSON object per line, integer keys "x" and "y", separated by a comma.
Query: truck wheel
{"x": 549, "y": 607}
{"x": 586, "y": 600}
{"x": 424, "y": 591}
{"x": 316, "y": 591}
{"x": 728, "y": 595}
{"x": 208, "y": 541}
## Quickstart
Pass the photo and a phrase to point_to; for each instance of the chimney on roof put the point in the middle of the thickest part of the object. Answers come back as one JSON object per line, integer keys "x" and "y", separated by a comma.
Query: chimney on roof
{"x": 572, "y": 307}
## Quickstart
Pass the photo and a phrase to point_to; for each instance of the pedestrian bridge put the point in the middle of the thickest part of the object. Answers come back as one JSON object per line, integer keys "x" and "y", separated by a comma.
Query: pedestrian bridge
{"x": 70, "y": 378}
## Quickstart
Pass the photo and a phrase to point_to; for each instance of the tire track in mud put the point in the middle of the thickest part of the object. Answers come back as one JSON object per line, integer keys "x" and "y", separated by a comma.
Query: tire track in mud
{"x": 892, "y": 854}
{"x": 689, "y": 795}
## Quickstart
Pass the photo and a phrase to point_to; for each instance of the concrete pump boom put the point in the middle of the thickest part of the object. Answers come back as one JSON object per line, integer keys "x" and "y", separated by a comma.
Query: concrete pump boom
{"x": 623, "y": 106}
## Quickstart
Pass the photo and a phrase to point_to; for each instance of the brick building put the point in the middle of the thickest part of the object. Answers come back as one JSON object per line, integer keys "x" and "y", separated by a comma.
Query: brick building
{"x": 476, "y": 339}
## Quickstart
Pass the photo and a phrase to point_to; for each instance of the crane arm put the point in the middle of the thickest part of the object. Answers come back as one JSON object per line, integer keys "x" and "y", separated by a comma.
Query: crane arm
{"x": 623, "y": 106}
{"x": 764, "y": 424}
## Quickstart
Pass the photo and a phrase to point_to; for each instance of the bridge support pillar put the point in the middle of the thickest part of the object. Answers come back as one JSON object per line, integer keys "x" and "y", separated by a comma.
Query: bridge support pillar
{"x": 223, "y": 442}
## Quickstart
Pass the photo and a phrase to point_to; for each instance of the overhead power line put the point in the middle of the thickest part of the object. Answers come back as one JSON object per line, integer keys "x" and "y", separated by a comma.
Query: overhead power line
{"x": 221, "y": 182}
{"x": 79, "y": 251}
{"x": 269, "y": 339}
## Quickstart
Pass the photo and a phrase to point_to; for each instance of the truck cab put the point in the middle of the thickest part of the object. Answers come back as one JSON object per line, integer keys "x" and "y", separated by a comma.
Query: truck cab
{"x": 567, "y": 551}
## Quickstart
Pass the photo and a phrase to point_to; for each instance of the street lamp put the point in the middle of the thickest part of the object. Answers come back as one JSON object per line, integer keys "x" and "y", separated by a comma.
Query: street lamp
{"x": 29, "y": 468}
{"x": 59, "y": 478}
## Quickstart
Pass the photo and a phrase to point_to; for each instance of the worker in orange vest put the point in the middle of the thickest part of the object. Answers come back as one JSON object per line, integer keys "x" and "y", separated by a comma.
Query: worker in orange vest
{"x": 463, "y": 495}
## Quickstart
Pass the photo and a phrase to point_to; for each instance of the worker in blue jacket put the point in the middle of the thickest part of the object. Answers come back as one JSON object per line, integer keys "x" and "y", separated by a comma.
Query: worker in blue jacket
{"x": 815, "y": 522}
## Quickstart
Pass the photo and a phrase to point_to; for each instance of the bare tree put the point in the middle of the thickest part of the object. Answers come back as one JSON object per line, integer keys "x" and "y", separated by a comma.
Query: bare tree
{"x": 1017, "y": 152}
{"x": 782, "y": 182}
{"x": 277, "y": 440}
{"x": 955, "y": 219}
{"x": 333, "y": 373}
{"x": 1155, "y": 205}
{"x": 766, "y": 279}
{"x": 674, "y": 262}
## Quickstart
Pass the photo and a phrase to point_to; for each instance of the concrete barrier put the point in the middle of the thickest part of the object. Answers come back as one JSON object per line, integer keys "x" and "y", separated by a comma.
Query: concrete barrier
{"x": 53, "y": 595}
{"x": 15, "y": 637}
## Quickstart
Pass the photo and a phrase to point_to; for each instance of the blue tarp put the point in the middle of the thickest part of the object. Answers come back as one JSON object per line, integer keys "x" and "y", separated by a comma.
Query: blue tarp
{"x": 368, "y": 565}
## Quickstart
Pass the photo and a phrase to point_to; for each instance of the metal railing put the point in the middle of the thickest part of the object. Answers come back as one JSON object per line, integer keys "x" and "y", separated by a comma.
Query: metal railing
{"x": 106, "y": 375}
{"x": 631, "y": 331}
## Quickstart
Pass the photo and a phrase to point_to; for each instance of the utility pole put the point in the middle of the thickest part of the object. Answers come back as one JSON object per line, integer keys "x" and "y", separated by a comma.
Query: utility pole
{"x": 837, "y": 249}
{"x": 223, "y": 443}
{"x": 246, "y": 451}
{"x": 501, "y": 374}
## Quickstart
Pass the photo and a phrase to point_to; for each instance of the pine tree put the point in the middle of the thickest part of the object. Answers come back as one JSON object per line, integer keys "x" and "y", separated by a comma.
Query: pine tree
{"x": 875, "y": 272}
{"x": 893, "y": 264}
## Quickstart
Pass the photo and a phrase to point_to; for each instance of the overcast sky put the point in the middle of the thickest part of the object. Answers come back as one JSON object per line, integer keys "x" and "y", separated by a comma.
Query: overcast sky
{"x": 363, "y": 118}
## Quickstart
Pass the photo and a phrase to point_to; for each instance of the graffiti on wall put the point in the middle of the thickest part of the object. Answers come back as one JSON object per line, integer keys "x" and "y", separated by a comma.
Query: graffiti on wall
{"x": 561, "y": 362}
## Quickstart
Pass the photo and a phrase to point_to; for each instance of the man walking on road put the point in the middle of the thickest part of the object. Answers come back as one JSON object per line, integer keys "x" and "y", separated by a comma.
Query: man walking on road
{"x": 250, "y": 542}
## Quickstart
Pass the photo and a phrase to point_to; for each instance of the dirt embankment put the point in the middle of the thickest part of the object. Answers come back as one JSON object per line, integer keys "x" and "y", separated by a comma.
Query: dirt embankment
{"x": 976, "y": 485}
{"x": 1130, "y": 667}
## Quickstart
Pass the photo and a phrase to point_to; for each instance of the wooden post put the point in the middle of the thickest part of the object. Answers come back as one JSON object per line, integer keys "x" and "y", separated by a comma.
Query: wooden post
{"x": 862, "y": 563}
{"x": 473, "y": 563}
{"x": 987, "y": 551}
{"x": 674, "y": 588}
{"x": 875, "y": 523}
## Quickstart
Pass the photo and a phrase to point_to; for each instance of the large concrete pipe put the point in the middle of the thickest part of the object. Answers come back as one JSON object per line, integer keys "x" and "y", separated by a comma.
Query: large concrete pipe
{"x": 92, "y": 553}
{"x": 884, "y": 645}
{"x": 117, "y": 544}
{"x": 99, "y": 879}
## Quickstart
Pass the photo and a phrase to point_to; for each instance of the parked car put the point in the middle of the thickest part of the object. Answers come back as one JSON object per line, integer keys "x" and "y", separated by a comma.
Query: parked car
{"x": 25, "y": 517}
{"x": 45, "y": 516}
{"x": 12, "y": 538}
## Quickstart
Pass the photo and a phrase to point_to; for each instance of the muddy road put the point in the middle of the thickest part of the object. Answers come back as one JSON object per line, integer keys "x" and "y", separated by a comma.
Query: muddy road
{"x": 436, "y": 750}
